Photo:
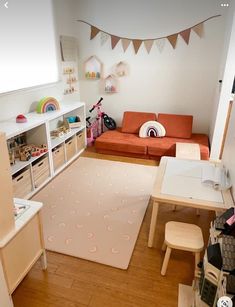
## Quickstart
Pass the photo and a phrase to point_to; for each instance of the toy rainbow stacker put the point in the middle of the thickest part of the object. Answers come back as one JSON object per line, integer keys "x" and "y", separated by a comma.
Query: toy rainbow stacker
{"x": 47, "y": 104}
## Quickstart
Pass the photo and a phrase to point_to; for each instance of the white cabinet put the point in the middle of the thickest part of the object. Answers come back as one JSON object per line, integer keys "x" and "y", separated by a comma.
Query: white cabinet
{"x": 59, "y": 150}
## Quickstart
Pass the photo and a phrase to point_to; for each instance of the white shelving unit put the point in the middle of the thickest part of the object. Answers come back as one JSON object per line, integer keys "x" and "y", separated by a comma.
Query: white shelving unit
{"x": 30, "y": 176}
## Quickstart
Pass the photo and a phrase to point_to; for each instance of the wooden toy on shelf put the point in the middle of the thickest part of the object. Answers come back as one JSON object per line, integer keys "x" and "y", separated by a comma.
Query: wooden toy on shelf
{"x": 60, "y": 131}
{"x": 56, "y": 133}
{"x": 26, "y": 151}
{"x": 14, "y": 144}
{"x": 35, "y": 152}
{"x": 12, "y": 157}
{"x": 44, "y": 147}
{"x": 25, "y": 155}
{"x": 47, "y": 104}
{"x": 21, "y": 118}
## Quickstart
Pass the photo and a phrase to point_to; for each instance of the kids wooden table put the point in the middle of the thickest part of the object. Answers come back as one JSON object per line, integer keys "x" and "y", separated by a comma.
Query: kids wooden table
{"x": 24, "y": 245}
{"x": 179, "y": 182}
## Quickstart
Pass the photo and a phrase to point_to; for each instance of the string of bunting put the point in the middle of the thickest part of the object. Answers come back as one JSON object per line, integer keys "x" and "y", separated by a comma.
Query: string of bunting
{"x": 148, "y": 43}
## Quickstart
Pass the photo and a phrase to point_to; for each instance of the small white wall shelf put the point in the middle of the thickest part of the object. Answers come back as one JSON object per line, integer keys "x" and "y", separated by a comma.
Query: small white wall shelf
{"x": 29, "y": 176}
{"x": 110, "y": 84}
{"x": 69, "y": 77}
{"x": 121, "y": 69}
{"x": 93, "y": 68}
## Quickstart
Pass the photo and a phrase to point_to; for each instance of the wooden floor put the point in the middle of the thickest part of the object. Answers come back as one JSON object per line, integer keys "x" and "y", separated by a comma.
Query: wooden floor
{"x": 71, "y": 282}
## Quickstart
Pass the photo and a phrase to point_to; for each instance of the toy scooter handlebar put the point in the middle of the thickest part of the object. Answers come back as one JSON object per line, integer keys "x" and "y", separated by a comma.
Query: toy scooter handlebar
{"x": 97, "y": 104}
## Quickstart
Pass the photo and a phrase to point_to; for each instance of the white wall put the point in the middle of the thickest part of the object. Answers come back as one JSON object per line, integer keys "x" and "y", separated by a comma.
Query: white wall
{"x": 221, "y": 107}
{"x": 175, "y": 81}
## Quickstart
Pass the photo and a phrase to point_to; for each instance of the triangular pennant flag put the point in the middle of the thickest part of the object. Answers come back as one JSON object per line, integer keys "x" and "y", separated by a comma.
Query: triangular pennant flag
{"x": 94, "y": 32}
{"x": 185, "y": 35}
{"x": 160, "y": 43}
{"x": 199, "y": 29}
{"x": 125, "y": 43}
{"x": 103, "y": 38}
{"x": 148, "y": 44}
{"x": 114, "y": 41}
{"x": 172, "y": 39}
{"x": 137, "y": 43}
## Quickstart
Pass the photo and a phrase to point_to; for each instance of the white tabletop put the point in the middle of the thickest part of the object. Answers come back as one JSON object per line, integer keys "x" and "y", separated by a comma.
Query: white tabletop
{"x": 184, "y": 178}
{"x": 178, "y": 182}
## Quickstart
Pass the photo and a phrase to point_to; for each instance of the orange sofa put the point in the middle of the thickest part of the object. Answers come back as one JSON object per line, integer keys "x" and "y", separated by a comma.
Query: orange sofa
{"x": 125, "y": 141}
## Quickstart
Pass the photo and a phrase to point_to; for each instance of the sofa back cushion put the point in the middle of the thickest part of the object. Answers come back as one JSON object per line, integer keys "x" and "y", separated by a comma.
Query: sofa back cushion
{"x": 179, "y": 126}
{"x": 132, "y": 121}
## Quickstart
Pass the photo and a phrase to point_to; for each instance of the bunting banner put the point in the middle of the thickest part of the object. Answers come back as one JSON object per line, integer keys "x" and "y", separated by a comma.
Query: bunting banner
{"x": 103, "y": 38}
{"x": 173, "y": 39}
{"x": 186, "y": 35}
{"x": 114, "y": 41}
{"x": 137, "y": 43}
{"x": 94, "y": 31}
{"x": 148, "y": 43}
{"x": 160, "y": 44}
{"x": 125, "y": 43}
{"x": 198, "y": 29}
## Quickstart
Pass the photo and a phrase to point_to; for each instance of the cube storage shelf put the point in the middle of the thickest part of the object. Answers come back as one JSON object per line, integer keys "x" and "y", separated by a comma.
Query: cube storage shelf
{"x": 29, "y": 176}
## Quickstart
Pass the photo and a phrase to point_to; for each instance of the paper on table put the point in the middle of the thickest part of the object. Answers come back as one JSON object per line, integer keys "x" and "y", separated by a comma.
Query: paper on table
{"x": 211, "y": 175}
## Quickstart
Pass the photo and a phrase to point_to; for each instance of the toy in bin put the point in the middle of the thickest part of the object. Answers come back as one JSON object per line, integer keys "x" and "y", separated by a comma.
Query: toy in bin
{"x": 21, "y": 118}
{"x": 74, "y": 121}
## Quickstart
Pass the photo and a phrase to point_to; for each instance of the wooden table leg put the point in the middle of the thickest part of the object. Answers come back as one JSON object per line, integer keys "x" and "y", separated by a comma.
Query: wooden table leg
{"x": 44, "y": 260}
{"x": 153, "y": 224}
{"x": 43, "y": 256}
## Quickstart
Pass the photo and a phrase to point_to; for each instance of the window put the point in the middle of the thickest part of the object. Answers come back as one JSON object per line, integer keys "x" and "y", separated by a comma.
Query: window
{"x": 28, "y": 54}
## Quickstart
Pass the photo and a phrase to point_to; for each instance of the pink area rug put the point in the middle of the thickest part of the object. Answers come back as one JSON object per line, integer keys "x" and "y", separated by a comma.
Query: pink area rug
{"x": 94, "y": 209}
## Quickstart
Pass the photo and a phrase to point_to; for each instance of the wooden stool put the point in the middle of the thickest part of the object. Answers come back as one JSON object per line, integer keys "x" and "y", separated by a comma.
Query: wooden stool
{"x": 183, "y": 236}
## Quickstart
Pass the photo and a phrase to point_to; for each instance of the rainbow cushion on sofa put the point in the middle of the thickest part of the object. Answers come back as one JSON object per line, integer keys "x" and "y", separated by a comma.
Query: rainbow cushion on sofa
{"x": 132, "y": 121}
{"x": 152, "y": 128}
{"x": 178, "y": 126}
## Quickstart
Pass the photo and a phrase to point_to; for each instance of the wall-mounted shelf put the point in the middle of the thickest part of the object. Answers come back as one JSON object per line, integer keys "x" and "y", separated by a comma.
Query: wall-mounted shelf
{"x": 110, "y": 85}
{"x": 93, "y": 68}
{"x": 70, "y": 77}
{"x": 29, "y": 176}
{"x": 121, "y": 69}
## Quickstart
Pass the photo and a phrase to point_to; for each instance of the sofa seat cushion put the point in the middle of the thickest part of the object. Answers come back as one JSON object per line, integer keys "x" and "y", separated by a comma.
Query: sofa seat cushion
{"x": 167, "y": 146}
{"x": 132, "y": 121}
{"x": 178, "y": 126}
{"x": 115, "y": 140}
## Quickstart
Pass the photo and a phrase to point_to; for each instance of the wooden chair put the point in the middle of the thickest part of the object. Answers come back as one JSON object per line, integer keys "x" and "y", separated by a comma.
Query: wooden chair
{"x": 182, "y": 236}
